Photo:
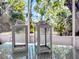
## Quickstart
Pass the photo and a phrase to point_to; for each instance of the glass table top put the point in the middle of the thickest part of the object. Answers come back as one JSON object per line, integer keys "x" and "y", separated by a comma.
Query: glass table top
{"x": 58, "y": 52}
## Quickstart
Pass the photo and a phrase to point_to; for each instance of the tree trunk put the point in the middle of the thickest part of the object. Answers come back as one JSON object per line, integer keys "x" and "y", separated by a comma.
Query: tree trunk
{"x": 61, "y": 34}
{"x": 0, "y": 42}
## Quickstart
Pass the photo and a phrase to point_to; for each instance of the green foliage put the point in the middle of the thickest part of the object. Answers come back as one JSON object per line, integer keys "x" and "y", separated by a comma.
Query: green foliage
{"x": 59, "y": 27}
{"x": 38, "y": 1}
{"x": 15, "y": 16}
{"x": 17, "y": 7}
{"x": 41, "y": 7}
{"x": 69, "y": 23}
{"x": 56, "y": 11}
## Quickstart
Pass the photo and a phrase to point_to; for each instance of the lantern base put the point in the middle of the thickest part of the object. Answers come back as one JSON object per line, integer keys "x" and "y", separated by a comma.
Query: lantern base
{"x": 44, "y": 49}
{"x": 19, "y": 49}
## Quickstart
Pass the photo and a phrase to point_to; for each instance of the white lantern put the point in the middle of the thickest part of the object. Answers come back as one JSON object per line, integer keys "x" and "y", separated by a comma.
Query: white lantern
{"x": 44, "y": 37}
{"x": 20, "y": 38}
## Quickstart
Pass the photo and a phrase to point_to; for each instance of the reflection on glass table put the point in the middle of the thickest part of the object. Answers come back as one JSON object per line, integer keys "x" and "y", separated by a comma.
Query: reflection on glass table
{"x": 7, "y": 53}
{"x": 58, "y": 52}
{"x": 62, "y": 52}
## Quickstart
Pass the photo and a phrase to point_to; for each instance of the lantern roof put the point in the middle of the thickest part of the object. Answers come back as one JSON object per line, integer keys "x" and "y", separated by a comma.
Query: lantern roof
{"x": 43, "y": 24}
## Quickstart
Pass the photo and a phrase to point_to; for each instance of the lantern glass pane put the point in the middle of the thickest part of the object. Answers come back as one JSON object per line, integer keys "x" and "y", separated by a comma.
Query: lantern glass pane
{"x": 20, "y": 35}
{"x": 42, "y": 36}
{"x": 35, "y": 35}
{"x": 48, "y": 37}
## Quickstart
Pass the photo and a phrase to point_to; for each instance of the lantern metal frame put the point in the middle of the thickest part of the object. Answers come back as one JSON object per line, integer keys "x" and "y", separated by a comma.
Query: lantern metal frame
{"x": 14, "y": 46}
{"x": 41, "y": 48}
{"x": 13, "y": 34}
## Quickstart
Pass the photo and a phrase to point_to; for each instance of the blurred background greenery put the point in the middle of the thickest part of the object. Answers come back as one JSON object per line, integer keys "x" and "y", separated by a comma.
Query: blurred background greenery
{"x": 56, "y": 12}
